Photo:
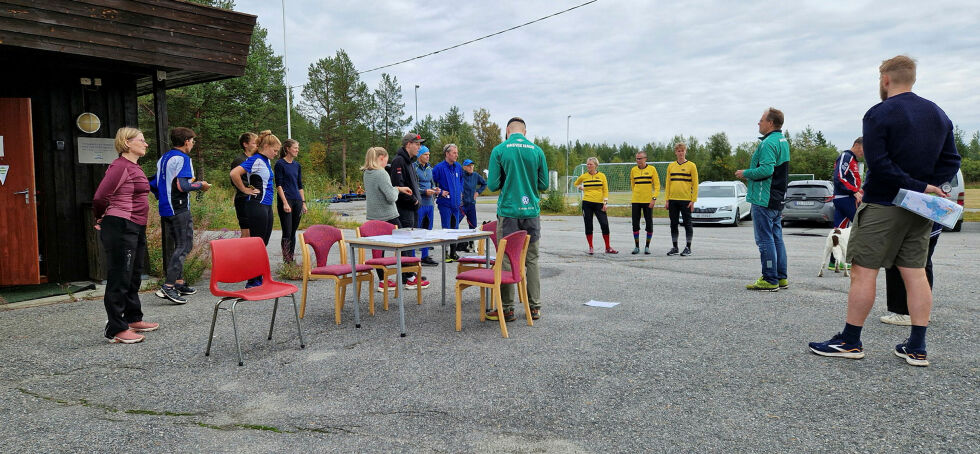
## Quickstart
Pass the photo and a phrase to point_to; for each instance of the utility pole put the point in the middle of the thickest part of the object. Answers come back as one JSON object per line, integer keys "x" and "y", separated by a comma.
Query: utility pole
{"x": 568, "y": 145}
{"x": 416, "y": 107}
{"x": 289, "y": 104}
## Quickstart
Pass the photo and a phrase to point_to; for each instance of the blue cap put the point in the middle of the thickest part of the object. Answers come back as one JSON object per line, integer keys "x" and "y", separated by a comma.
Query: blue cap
{"x": 467, "y": 162}
{"x": 423, "y": 150}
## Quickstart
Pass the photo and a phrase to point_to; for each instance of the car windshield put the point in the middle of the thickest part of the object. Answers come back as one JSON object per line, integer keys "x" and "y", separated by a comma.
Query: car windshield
{"x": 716, "y": 191}
{"x": 808, "y": 191}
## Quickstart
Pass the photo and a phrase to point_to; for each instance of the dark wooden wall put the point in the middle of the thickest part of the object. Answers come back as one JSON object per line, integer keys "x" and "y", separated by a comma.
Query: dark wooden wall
{"x": 65, "y": 188}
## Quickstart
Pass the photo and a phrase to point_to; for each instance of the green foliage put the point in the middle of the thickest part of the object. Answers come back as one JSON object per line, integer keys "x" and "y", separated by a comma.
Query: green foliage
{"x": 388, "y": 113}
{"x": 971, "y": 170}
{"x": 553, "y": 202}
{"x": 289, "y": 271}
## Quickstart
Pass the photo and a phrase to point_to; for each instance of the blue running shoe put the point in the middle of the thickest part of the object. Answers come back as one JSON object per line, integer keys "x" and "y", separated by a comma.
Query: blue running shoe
{"x": 837, "y": 347}
{"x": 913, "y": 357}
{"x": 254, "y": 282}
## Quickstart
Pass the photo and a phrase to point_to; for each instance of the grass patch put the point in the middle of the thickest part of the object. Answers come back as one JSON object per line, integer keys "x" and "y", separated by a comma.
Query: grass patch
{"x": 972, "y": 198}
{"x": 260, "y": 427}
{"x": 158, "y": 413}
{"x": 289, "y": 272}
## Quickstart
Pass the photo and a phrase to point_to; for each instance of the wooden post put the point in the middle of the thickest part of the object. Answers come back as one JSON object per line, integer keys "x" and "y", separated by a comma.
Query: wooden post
{"x": 163, "y": 146}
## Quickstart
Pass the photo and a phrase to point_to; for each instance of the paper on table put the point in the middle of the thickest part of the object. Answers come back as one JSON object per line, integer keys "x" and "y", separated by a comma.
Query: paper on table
{"x": 600, "y": 303}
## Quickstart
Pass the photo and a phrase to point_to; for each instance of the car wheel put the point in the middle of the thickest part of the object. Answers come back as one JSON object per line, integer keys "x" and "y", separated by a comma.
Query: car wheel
{"x": 738, "y": 218}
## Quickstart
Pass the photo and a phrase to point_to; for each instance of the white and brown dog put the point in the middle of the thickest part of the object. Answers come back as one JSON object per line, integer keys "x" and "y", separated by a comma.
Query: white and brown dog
{"x": 836, "y": 244}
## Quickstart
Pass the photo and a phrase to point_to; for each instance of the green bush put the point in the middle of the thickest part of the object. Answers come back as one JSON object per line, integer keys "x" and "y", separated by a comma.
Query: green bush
{"x": 553, "y": 202}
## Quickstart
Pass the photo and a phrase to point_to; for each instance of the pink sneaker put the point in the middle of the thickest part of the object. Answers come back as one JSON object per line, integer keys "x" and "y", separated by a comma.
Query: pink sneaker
{"x": 127, "y": 337}
{"x": 391, "y": 285}
{"x": 143, "y": 326}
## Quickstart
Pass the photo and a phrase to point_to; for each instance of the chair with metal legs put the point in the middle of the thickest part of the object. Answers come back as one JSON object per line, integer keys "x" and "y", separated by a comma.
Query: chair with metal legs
{"x": 235, "y": 260}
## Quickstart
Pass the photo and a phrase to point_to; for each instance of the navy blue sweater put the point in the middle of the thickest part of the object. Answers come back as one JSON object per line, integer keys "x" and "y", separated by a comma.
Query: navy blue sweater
{"x": 908, "y": 143}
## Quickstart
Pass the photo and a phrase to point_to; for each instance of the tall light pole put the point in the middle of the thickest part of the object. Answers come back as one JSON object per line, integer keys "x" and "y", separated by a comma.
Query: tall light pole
{"x": 568, "y": 145}
{"x": 416, "y": 106}
{"x": 289, "y": 121}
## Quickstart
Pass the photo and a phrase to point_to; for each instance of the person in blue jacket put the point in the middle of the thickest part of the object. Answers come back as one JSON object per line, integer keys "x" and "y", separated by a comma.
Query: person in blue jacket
{"x": 427, "y": 192}
{"x": 173, "y": 180}
{"x": 448, "y": 176}
{"x": 473, "y": 186}
{"x": 261, "y": 190}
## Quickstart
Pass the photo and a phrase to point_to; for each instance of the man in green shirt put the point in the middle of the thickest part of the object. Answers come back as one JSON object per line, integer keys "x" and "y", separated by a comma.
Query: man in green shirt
{"x": 518, "y": 169}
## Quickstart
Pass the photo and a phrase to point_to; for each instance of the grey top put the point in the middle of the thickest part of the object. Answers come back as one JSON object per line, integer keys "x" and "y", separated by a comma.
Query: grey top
{"x": 380, "y": 196}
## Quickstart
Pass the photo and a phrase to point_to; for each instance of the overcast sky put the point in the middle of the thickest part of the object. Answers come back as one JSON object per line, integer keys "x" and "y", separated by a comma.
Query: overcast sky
{"x": 641, "y": 71}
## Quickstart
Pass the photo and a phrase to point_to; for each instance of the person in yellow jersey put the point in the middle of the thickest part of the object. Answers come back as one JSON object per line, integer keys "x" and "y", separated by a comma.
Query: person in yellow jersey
{"x": 595, "y": 197}
{"x": 681, "y": 191}
{"x": 645, "y": 184}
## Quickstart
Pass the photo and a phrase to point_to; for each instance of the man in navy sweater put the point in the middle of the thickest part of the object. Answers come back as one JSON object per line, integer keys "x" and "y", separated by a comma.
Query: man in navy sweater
{"x": 908, "y": 144}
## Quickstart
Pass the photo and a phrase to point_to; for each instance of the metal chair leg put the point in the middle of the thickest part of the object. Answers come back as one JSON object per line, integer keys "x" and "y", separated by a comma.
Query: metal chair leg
{"x": 214, "y": 319}
{"x": 275, "y": 307}
{"x": 302, "y": 342}
{"x": 234, "y": 327}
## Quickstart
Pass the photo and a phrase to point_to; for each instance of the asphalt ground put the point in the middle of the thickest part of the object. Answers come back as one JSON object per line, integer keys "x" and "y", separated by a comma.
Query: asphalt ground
{"x": 689, "y": 361}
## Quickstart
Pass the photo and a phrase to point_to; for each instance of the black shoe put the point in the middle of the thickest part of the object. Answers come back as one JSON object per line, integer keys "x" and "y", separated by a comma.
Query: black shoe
{"x": 428, "y": 261}
{"x": 686, "y": 252}
{"x": 455, "y": 256}
{"x": 184, "y": 289}
{"x": 171, "y": 294}
{"x": 672, "y": 251}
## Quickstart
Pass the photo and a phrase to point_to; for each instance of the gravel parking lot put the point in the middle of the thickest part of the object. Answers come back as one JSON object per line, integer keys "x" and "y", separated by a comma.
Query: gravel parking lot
{"x": 688, "y": 361}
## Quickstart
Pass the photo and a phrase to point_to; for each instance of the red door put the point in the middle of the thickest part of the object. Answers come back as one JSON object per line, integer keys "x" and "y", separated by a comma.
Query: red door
{"x": 18, "y": 213}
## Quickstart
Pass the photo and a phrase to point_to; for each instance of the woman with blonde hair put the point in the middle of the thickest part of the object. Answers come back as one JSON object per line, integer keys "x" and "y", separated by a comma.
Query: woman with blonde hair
{"x": 260, "y": 190}
{"x": 380, "y": 196}
{"x": 595, "y": 197}
{"x": 121, "y": 206}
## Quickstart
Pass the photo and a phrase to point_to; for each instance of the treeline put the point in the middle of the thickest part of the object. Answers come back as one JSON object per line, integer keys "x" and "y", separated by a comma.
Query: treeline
{"x": 336, "y": 116}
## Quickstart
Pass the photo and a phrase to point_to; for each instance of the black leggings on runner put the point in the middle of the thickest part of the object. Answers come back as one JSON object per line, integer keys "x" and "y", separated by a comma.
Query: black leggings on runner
{"x": 647, "y": 216}
{"x": 259, "y": 220}
{"x": 676, "y": 208}
{"x": 593, "y": 208}
{"x": 289, "y": 223}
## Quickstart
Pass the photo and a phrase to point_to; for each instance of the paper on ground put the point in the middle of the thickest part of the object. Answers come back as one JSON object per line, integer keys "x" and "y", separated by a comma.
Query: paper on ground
{"x": 595, "y": 303}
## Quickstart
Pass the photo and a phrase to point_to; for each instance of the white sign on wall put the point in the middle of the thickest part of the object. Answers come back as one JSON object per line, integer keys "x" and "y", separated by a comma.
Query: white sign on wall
{"x": 96, "y": 151}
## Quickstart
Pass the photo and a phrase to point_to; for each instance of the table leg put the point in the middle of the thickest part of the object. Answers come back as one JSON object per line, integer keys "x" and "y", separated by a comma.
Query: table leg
{"x": 443, "y": 274}
{"x": 401, "y": 291}
{"x": 357, "y": 299}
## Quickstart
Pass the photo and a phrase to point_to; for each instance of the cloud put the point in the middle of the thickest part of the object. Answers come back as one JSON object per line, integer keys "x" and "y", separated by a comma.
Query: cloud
{"x": 644, "y": 71}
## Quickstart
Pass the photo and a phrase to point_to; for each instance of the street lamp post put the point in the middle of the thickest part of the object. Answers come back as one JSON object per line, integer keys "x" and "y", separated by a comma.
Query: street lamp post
{"x": 568, "y": 145}
{"x": 289, "y": 113}
{"x": 416, "y": 105}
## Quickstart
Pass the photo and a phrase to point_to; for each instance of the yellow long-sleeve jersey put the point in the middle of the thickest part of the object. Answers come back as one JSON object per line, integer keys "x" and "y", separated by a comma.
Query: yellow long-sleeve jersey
{"x": 682, "y": 181}
{"x": 596, "y": 187}
{"x": 645, "y": 184}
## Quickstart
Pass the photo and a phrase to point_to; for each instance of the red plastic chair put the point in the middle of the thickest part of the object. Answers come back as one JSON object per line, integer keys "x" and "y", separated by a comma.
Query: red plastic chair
{"x": 388, "y": 265}
{"x": 513, "y": 247}
{"x": 239, "y": 259}
{"x": 471, "y": 262}
{"x": 321, "y": 239}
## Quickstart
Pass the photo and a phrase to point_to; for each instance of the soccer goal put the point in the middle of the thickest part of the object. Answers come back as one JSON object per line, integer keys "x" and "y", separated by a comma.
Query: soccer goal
{"x": 618, "y": 177}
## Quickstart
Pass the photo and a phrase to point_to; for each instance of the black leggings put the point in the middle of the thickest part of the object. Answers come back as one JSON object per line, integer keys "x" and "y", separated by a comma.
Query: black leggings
{"x": 259, "y": 220}
{"x": 676, "y": 208}
{"x": 290, "y": 223}
{"x": 125, "y": 250}
{"x": 647, "y": 216}
{"x": 593, "y": 208}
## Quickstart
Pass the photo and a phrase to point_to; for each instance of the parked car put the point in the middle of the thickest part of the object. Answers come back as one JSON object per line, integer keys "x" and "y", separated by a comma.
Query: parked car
{"x": 721, "y": 202}
{"x": 957, "y": 193}
{"x": 809, "y": 200}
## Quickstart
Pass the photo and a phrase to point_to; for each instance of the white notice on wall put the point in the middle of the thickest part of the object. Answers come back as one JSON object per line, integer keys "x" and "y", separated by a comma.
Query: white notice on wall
{"x": 1, "y": 146}
{"x": 3, "y": 174}
{"x": 96, "y": 151}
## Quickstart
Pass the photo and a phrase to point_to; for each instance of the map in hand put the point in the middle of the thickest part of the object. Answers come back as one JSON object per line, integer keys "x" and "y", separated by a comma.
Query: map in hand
{"x": 938, "y": 209}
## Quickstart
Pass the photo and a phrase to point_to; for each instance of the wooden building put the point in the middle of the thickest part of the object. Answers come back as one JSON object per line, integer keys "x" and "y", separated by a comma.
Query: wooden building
{"x": 72, "y": 72}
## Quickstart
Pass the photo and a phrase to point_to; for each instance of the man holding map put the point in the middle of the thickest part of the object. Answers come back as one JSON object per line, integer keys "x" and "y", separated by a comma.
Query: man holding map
{"x": 908, "y": 144}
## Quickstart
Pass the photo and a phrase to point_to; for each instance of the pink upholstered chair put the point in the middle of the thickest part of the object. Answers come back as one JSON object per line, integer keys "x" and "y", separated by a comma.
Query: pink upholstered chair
{"x": 387, "y": 265}
{"x": 321, "y": 239}
{"x": 513, "y": 248}
{"x": 479, "y": 260}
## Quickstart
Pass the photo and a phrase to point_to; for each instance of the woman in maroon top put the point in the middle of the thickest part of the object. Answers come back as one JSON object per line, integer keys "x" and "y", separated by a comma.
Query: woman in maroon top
{"x": 121, "y": 206}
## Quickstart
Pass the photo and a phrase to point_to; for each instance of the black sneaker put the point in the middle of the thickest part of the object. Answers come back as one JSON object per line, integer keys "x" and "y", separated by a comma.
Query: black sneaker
{"x": 686, "y": 252}
{"x": 449, "y": 259}
{"x": 535, "y": 314}
{"x": 509, "y": 316}
{"x": 672, "y": 251}
{"x": 913, "y": 357}
{"x": 171, "y": 294}
{"x": 428, "y": 261}
{"x": 184, "y": 289}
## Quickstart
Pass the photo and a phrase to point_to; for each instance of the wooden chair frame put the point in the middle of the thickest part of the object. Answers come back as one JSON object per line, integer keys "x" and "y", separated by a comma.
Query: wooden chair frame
{"x": 389, "y": 270}
{"x": 494, "y": 287}
{"x": 340, "y": 282}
